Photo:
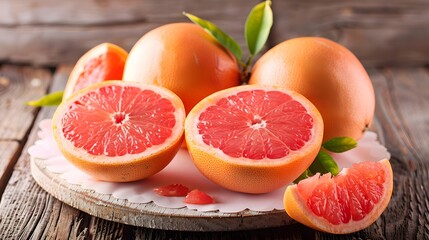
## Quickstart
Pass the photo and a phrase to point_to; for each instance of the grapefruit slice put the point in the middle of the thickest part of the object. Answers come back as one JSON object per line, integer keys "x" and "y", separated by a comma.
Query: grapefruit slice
{"x": 103, "y": 62}
{"x": 253, "y": 139}
{"x": 348, "y": 202}
{"x": 120, "y": 131}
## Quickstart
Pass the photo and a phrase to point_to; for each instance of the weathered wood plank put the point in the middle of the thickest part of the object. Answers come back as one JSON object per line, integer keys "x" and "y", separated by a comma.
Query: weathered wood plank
{"x": 17, "y": 86}
{"x": 8, "y": 156}
{"x": 107, "y": 12}
{"x": 407, "y": 93}
{"x": 51, "y": 32}
{"x": 291, "y": 232}
{"x": 29, "y": 212}
{"x": 379, "y": 32}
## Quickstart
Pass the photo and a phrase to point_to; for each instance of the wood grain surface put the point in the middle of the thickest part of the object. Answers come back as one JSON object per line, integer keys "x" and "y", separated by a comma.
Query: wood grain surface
{"x": 381, "y": 33}
{"x": 29, "y": 212}
{"x": 51, "y": 32}
{"x": 17, "y": 86}
{"x": 390, "y": 37}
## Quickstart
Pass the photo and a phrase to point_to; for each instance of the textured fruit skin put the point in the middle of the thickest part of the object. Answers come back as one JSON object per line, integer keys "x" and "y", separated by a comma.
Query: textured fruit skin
{"x": 244, "y": 175}
{"x": 183, "y": 58}
{"x": 298, "y": 210}
{"x": 329, "y": 75}
{"x": 118, "y": 172}
{"x": 121, "y": 56}
{"x": 124, "y": 168}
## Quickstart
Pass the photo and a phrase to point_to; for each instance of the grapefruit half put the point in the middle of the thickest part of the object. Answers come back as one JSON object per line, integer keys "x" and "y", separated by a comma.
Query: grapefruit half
{"x": 348, "y": 202}
{"x": 253, "y": 139}
{"x": 120, "y": 131}
{"x": 103, "y": 62}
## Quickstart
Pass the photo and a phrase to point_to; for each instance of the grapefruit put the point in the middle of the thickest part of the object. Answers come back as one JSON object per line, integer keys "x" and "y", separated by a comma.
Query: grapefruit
{"x": 348, "y": 202}
{"x": 183, "y": 58}
{"x": 120, "y": 131}
{"x": 326, "y": 73}
{"x": 253, "y": 139}
{"x": 103, "y": 62}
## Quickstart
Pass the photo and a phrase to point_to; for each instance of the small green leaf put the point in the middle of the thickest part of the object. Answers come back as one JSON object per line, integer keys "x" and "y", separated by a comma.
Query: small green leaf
{"x": 224, "y": 39}
{"x": 306, "y": 174}
{"x": 340, "y": 144}
{"x": 324, "y": 163}
{"x": 258, "y": 26}
{"x": 52, "y": 99}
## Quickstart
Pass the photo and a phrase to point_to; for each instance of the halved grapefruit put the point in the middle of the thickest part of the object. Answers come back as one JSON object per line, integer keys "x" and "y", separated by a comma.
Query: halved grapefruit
{"x": 120, "y": 131}
{"x": 103, "y": 62}
{"x": 348, "y": 202}
{"x": 253, "y": 139}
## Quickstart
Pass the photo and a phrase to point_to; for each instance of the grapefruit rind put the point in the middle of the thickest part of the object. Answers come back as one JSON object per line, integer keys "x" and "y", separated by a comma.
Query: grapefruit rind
{"x": 246, "y": 175}
{"x": 92, "y": 53}
{"x": 129, "y": 167}
{"x": 297, "y": 209}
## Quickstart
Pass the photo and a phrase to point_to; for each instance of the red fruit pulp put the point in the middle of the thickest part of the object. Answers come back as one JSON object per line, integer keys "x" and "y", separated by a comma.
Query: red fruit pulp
{"x": 351, "y": 195}
{"x": 256, "y": 124}
{"x": 172, "y": 190}
{"x": 124, "y": 119}
{"x": 197, "y": 196}
{"x": 107, "y": 66}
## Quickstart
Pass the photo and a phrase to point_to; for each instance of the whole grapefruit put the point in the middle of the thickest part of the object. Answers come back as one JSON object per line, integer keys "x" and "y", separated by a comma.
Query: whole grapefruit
{"x": 329, "y": 75}
{"x": 184, "y": 58}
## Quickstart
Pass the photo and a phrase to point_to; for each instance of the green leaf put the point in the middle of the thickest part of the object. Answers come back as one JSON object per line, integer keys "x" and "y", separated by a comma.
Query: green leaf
{"x": 224, "y": 39}
{"x": 306, "y": 174}
{"x": 324, "y": 163}
{"x": 52, "y": 99}
{"x": 340, "y": 144}
{"x": 258, "y": 26}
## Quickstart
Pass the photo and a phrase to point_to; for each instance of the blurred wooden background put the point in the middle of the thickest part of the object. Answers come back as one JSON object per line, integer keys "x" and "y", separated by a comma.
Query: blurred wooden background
{"x": 48, "y": 32}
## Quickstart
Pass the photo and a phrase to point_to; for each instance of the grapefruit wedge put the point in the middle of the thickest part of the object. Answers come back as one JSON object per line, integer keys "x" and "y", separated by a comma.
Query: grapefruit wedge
{"x": 120, "y": 131}
{"x": 346, "y": 203}
{"x": 103, "y": 62}
{"x": 253, "y": 139}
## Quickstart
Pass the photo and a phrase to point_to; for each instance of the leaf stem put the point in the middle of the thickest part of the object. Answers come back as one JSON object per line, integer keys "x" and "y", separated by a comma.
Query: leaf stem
{"x": 245, "y": 74}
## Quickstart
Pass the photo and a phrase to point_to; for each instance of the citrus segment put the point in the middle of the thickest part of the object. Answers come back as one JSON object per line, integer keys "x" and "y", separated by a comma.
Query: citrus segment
{"x": 348, "y": 202}
{"x": 172, "y": 190}
{"x": 103, "y": 62}
{"x": 118, "y": 131}
{"x": 197, "y": 196}
{"x": 253, "y": 139}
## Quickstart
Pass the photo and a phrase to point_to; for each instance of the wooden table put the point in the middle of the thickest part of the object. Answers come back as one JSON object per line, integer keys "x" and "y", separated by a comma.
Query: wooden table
{"x": 28, "y": 212}
{"x": 51, "y": 33}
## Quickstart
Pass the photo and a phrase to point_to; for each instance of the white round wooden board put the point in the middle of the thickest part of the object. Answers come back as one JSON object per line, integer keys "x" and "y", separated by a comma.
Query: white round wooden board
{"x": 149, "y": 214}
